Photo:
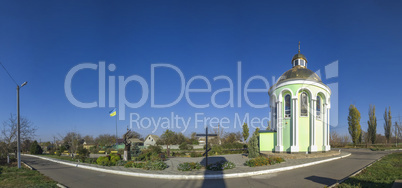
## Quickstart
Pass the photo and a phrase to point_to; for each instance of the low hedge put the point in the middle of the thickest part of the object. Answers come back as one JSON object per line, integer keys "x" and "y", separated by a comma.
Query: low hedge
{"x": 263, "y": 161}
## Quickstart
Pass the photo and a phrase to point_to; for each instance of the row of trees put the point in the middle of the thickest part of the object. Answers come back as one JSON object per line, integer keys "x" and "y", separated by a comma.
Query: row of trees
{"x": 359, "y": 136}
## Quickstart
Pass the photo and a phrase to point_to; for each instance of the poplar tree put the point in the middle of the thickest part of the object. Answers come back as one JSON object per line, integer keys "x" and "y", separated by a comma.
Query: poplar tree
{"x": 245, "y": 132}
{"x": 372, "y": 125}
{"x": 387, "y": 124}
{"x": 354, "y": 123}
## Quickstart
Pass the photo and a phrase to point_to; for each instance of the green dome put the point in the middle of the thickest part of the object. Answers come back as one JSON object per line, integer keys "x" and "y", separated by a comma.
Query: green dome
{"x": 299, "y": 73}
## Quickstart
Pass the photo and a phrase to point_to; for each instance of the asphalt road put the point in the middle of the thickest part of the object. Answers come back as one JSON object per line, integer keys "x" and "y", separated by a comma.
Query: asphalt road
{"x": 313, "y": 176}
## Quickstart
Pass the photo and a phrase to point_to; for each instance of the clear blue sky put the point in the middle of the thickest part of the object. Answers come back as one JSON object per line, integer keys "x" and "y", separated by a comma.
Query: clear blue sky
{"x": 40, "y": 41}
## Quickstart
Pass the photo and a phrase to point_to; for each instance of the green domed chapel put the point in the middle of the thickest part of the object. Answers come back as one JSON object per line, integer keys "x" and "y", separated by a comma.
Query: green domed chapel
{"x": 300, "y": 109}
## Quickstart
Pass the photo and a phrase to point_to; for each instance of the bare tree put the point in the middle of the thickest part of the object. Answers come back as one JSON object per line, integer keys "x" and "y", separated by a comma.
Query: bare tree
{"x": 72, "y": 140}
{"x": 220, "y": 132}
{"x": 105, "y": 140}
{"x": 9, "y": 132}
{"x": 89, "y": 139}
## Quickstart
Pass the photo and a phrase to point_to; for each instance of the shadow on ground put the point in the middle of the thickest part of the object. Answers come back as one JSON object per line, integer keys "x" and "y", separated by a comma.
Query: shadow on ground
{"x": 208, "y": 183}
{"x": 322, "y": 180}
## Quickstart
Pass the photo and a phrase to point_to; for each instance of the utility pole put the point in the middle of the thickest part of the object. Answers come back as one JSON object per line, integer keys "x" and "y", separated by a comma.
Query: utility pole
{"x": 19, "y": 125}
{"x": 18, "y": 116}
{"x": 18, "y": 128}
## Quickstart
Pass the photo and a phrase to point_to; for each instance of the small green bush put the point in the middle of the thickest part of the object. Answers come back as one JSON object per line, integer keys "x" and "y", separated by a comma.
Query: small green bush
{"x": 155, "y": 149}
{"x": 216, "y": 149}
{"x": 92, "y": 160}
{"x": 155, "y": 165}
{"x": 221, "y": 165}
{"x": 103, "y": 160}
{"x": 195, "y": 154}
{"x": 129, "y": 164}
{"x": 114, "y": 158}
{"x": 189, "y": 166}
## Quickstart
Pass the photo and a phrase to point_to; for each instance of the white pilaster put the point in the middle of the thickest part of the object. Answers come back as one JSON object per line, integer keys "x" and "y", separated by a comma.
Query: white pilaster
{"x": 294, "y": 147}
{"x": 328, "y": 146}
{"x": 313, "y": 147}
{"x": 279, "y": 147}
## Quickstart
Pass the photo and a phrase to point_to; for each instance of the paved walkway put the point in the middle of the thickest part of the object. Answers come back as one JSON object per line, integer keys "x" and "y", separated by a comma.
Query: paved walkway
{"x": 319, "y": 175}
{"x": 238, "y": 159}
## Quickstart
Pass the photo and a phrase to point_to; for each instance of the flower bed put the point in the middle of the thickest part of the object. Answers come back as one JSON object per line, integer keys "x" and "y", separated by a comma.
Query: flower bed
{"x": 221, "y": 165}
{"x": 263, "y": 161}
{"x": 149, "y": 165}
{"x": 189, "y": 166}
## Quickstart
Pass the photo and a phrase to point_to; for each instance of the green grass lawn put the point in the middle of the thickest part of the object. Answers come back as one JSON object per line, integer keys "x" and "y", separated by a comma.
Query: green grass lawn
{"x": 381, "y": 174}
{"x": 11, "y": 176}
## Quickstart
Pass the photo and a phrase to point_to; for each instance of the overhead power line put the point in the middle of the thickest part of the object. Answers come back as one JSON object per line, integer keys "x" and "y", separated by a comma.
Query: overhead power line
{"x": 8, "y": 73}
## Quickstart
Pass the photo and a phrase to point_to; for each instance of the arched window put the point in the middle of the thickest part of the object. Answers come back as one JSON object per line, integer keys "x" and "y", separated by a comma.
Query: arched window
{"x": 303, "y": 104}
{"x": 287, "y": 106}
{"x": 318, "y": 107}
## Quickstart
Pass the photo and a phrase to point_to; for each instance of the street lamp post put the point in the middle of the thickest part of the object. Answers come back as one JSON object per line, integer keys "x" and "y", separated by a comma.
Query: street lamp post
{"x": 18, "y": 124}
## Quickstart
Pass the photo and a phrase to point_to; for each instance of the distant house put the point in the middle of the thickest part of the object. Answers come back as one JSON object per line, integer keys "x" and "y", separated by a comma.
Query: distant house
{"x": 201, "y": 140}
{"x": 88, "y": 145}
{"x": 150, "y": 140}
{"x": 136, "y": 141}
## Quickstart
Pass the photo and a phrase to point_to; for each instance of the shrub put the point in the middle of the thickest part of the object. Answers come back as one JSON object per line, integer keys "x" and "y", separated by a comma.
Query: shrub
{"x": 58, "y": 153}
{"x": 189, "y": 166}
{"x": 103, "y": 160}
{"x": 263, "y": 161}
{"x": 92, "y": 160}
{"x": 144, "y": 156}
{"x": 195, "y": 154}
{"x": 155, "y": 157}
{"x": 129, "y": 164}
{"x": 121, "y": 163}
{"x": 253, "y": 150}
{"x": 82, "y": 153}
{"x": 154, "y": 165}
{"x": 221, "y": 165}
{"x": 185, "y": 146}
{"x": 138, "y": 165}
{"x": 114, "y": 158}
{"x": 35, "y": 148}
{"x": 155, "y": 149}
{"x": 217, "y": 149}
{"x": 275, "y": 160}
{"x": 258, "y": 161}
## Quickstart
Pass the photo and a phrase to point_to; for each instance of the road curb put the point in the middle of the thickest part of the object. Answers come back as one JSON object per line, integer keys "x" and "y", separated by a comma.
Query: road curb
{"x": 28, "y": 166}
{"x": 189, "y": 177}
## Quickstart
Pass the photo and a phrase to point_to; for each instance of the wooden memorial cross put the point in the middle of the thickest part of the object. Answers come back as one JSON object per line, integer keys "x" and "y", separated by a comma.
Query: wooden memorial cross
{"x": 206, "y": 144}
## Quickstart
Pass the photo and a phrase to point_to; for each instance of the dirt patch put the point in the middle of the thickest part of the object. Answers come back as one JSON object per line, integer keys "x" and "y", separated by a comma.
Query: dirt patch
{"x": 301, "y": 155}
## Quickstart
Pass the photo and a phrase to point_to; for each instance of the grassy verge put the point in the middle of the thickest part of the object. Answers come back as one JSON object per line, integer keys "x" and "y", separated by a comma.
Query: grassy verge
{"x": 381, "y": 174}
{"x": 11, "y": 176}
